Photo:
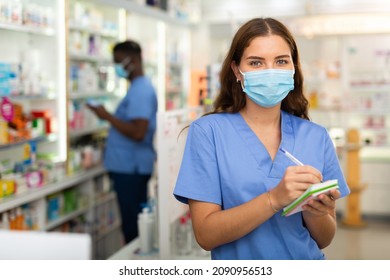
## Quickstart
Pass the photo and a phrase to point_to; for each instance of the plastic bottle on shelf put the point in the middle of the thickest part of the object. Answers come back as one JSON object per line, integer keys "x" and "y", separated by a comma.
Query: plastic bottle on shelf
{"x": 34, "y": 218}
{"x": 87, "y": 157}
{"x": 28, "y": 224}
{"x": 181, "y": 237}
{"x": 146, "y": 231}
{"x": 190, "y": 233}
{"x": 16, "y": 12}
{"x": 12, "y": 220}
{"x": 154, "y": 207}
{"x": 19, "y": 219}
{"x": 5, "y": 221}
{"x": 5, "y": 11}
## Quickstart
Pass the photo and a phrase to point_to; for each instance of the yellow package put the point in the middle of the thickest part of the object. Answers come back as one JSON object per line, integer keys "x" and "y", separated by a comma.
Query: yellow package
{"x": 3, "y": 132}
{"x": 7, "y": 187}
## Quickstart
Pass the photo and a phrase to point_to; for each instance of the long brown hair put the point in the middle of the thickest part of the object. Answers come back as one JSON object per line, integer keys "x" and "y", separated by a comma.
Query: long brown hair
{"x": 231, "y": 98}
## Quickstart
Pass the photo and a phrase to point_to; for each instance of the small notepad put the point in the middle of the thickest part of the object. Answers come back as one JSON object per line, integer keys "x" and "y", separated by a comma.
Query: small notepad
{"x": 311, "y": 193}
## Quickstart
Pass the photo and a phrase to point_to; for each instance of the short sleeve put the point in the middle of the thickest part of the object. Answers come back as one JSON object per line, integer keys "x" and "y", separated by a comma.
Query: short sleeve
{"x": 332, "y": 169}
{"x": 198, "y": 177}
{"x": 141, "y": 102}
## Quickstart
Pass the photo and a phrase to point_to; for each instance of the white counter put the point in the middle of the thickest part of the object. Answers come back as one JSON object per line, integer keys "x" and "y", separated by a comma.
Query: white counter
{"x": 130, "y": 252}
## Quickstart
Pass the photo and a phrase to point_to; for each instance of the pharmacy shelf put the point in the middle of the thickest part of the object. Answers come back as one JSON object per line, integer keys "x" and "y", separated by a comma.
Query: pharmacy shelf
{"x": 368, "y": 112}
{"x": 45, "y": 31}
{"x": 106, "y": 198}
{"x": 97, "y": 94}
{"x": 326, "y": 110}
{"x": 370, "y": 89}
{"x": 38, "y": 193}
{"x": 174, "y": 90}
{"x": 90, "y": 58}
{"x": 358, "y": 111}
{"x": 87, "y": 131}
{"x": 103, "y": 33}
{"x": 47, "y": 138}
{"x": 63, "y": 219}
{"x": 103, "y": 233}
{"x": 376, "y": 129}
{"x": 32, "y": 97}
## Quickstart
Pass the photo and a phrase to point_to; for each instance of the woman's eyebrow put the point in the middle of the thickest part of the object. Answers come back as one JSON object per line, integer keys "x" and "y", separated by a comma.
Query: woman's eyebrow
{"x": 262, "y": 58}
{"x": 255, "y": 57}
{"x": 283, "y": 56}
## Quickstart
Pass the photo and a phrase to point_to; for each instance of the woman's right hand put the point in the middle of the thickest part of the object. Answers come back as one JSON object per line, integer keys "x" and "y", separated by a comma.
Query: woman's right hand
{"x": 295, "y": 181}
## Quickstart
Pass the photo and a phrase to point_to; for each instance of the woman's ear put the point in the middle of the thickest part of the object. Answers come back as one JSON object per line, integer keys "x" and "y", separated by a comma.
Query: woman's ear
{"x": 236, "y": 72}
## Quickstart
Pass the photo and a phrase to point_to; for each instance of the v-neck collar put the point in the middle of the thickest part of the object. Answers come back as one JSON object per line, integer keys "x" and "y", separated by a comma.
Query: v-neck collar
{"x": 277, "y": 167}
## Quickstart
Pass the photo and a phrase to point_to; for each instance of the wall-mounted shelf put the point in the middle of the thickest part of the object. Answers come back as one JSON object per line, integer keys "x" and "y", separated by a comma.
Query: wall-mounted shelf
{"x": 103, "y": 33}
{"x": 90, "y": 58}
{"x": 45, "y": 31}
{"x": 37, "y": 193}
{"x": 370, "y": 89}
{"x": 105, "y": 94}
{"x": 65, "y": 218}
{"x": 106, "y": 198}
{"x": 47, "y": 138}
{"x": 158, "y": 50}
{"x": 32, "y": 97}
{"x": 88, "y": 130}
{"x": 103, "y": 233}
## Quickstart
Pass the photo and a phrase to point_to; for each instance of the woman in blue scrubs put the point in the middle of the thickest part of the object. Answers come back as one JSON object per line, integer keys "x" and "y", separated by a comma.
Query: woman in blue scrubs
{"x": 234, "y": 176}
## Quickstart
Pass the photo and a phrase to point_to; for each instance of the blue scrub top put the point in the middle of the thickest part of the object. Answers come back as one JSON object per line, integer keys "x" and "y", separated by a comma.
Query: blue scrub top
{"x": 122, "y": 154}
{"x": 225, "y": 163}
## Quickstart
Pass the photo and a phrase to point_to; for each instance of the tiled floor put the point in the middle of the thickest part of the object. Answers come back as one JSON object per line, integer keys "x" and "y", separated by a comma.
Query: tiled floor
{"x": 371, "y": 242}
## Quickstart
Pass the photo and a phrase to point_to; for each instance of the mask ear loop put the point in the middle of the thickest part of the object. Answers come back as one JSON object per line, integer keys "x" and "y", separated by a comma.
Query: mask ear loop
{"x": 239, "y": 81}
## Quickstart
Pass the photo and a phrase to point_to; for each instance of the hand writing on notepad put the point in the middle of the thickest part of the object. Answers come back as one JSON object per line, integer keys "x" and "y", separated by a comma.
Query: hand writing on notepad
{"x": 301, "y": 188}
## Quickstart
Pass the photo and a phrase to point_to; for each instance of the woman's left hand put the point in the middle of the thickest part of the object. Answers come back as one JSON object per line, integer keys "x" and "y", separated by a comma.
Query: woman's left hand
{"x": 324, "y": 204}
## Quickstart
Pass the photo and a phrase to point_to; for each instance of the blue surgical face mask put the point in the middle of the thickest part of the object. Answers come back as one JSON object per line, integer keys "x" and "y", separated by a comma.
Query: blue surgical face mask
{"x": 120, "y": 70}
{"x": 269, "y": 87}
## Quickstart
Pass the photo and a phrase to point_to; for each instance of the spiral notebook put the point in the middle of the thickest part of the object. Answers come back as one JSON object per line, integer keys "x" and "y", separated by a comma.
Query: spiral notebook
{"x": 311, "y": 193}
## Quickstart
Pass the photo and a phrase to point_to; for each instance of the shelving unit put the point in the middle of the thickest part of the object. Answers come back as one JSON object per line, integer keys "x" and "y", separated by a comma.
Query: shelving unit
{"x": 10, "y": 203}
{"x": 171, "y": 148}
{"x": 37, "y": 55}
{"x": 65, "y": 218}
{"x": 46, "y": 138}
{"x": 166, "y": 52}
{"x": 87, "y": 131}
{"x": 367, "y": 84}
{"x": 351, "y": 82}
{"x": 97, "y": 94}
{"x": 85, "y": 180}
{"x": 90, "y": 58}
{"x": 53, "y": 63}
{"x": 97, "y": 31}
{"x": 32, "y": 97}
{"x": 40, "y": 83}
{"x": 348, "y": 94}
{"x": 165, "y": 59}
{"x": 93, "y": 30}
{"x": 45, "y": 31}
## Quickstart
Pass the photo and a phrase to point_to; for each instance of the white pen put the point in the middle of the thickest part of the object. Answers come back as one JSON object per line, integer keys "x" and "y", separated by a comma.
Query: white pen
{"x": 290, "y": 156}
